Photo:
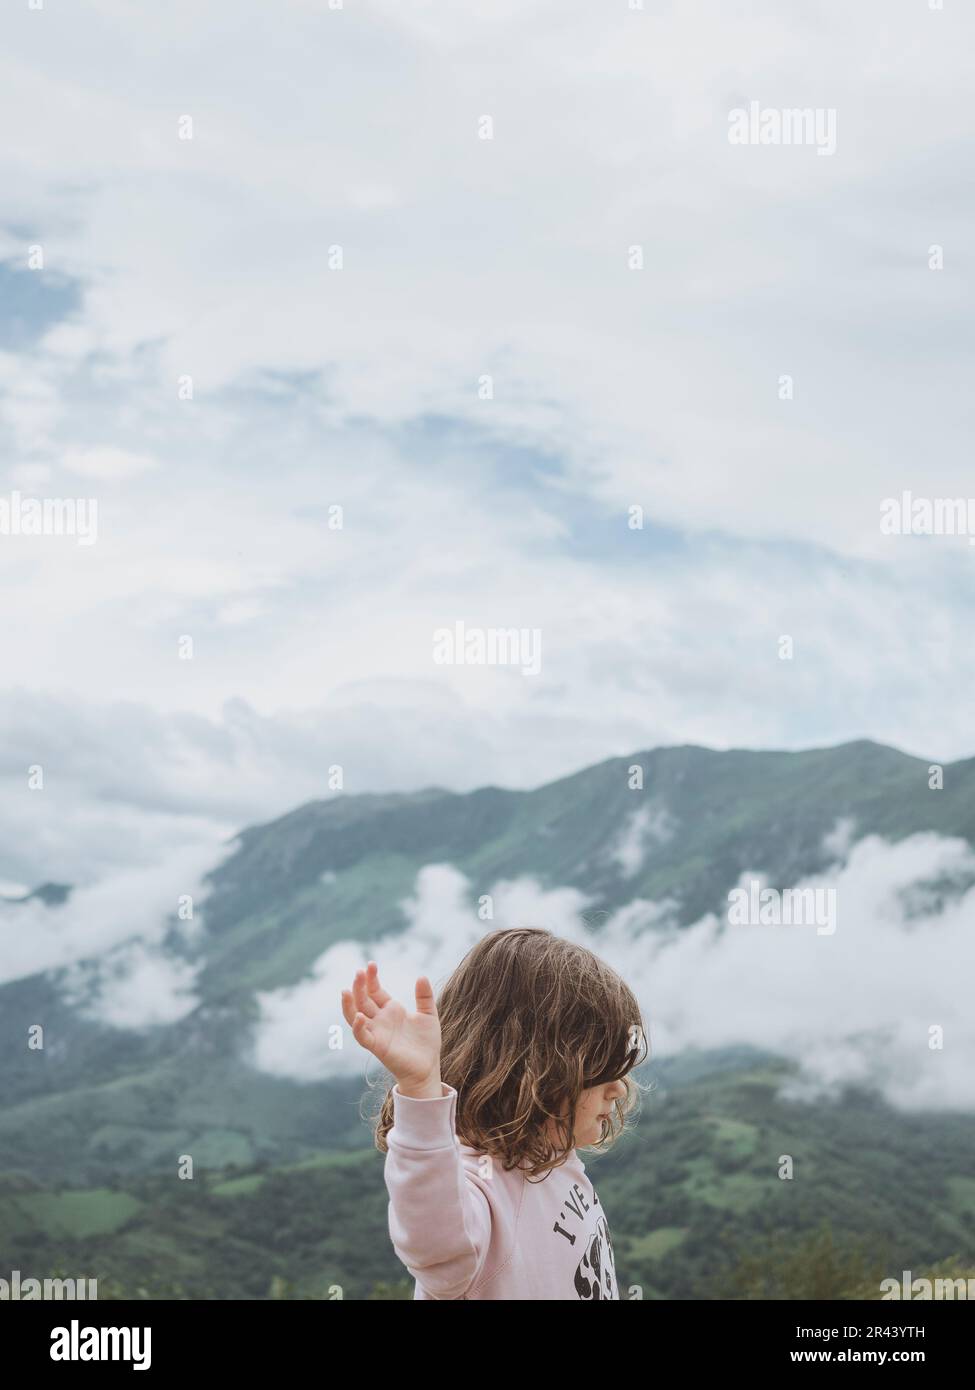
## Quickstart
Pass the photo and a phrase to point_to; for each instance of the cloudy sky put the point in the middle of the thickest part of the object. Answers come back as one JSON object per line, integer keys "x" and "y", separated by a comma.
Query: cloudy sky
{"x": 337, "y": 261}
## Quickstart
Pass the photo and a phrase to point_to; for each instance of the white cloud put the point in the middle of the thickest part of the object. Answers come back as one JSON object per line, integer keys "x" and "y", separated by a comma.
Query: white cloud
{"x": 646, "y": 826}
{"x": 846, "y": 1008}
{"x": 135, "y": 986}
{"x": 107, "y": 464}
{"x": 856, "y": 1006}
{"x": 462, "y": 258}
{"x": 128, "y": 906}
{"x": 461, "y": 254}
{"x": 302, "y": 1032}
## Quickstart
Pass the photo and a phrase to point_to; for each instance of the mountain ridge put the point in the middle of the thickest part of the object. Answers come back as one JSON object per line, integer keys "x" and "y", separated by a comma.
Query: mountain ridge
{"x": 340, "y": 869}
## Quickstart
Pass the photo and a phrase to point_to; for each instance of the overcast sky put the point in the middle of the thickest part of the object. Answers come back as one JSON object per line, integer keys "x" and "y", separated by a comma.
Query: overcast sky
{"x": 214, "y": 258}
{"x": 482, "y": 355}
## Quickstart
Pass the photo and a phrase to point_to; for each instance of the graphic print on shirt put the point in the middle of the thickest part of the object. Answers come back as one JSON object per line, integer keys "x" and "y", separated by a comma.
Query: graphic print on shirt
{"x": 595, "y": 1275}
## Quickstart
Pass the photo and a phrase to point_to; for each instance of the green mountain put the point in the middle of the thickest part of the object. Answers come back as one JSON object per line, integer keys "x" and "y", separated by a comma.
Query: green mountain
{"x": 92, "y": 1126}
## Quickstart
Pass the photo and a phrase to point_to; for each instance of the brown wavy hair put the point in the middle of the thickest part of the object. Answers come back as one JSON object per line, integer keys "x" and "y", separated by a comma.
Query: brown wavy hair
{"x": 528, "y": 1022}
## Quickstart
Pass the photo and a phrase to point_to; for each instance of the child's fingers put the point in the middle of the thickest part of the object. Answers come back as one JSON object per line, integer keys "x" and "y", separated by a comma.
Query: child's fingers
{"x": 362, "y": 1001}
{"x": 348, "y": 1008}
{"x": 425, "y": 1003}
{"x": 362, "y": 1033}
{"x": 375, "y": 989}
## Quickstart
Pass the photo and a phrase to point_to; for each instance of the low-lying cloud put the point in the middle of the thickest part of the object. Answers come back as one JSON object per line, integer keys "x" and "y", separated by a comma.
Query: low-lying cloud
{"x": 860, "y": 1006}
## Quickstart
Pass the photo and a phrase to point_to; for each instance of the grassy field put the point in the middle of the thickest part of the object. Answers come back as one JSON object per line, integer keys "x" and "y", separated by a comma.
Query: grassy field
{"x": 693, "y": 1195}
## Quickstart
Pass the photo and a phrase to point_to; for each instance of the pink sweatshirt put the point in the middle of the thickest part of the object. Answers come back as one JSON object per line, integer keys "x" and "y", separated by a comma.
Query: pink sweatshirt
{"x": 465, "y": 1228}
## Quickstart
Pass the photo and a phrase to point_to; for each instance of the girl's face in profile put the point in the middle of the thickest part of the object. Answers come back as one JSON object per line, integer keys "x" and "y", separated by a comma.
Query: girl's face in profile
{"x": 593, "y": 1108}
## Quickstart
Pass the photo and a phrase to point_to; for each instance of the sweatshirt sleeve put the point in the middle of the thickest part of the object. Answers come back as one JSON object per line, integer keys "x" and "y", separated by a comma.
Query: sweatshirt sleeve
{"x": 439, "y": 1215}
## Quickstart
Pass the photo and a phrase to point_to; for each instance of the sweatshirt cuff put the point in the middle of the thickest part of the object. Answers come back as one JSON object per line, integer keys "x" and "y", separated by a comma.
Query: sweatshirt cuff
{"x": 424, "y": 1122}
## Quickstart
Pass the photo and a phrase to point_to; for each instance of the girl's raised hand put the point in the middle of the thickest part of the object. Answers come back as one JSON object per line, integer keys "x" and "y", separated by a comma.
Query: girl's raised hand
{"x": 407, "y": 1044}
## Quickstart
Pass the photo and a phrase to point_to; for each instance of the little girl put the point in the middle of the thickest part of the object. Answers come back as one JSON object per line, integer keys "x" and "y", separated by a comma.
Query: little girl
{"x": 527, "y": 1055}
